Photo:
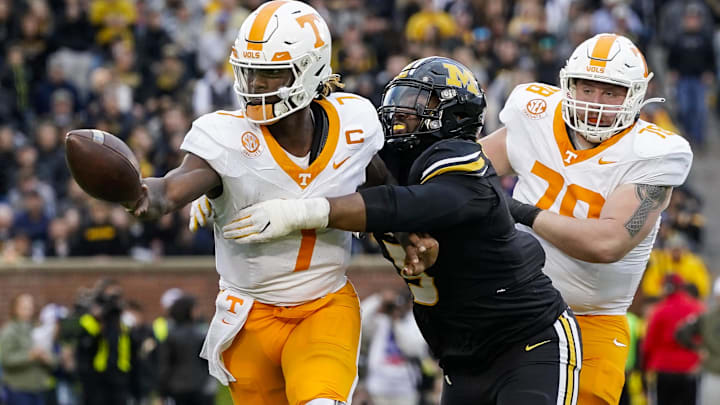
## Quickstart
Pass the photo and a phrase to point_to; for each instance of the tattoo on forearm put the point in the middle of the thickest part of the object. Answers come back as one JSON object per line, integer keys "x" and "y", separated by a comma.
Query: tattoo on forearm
{"x": 651, "y": 197}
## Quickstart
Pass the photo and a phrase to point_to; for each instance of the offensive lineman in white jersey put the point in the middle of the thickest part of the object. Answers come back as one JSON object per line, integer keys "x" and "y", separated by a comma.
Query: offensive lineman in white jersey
{"x": 593, "y": 180}
{"x": 287, "y": 322}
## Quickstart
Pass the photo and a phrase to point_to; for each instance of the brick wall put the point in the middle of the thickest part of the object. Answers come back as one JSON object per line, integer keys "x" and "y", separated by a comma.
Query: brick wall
{"x": 60, "y": 281}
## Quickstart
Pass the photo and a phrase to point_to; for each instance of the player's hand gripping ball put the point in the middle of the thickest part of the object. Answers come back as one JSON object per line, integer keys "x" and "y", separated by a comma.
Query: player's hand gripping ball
{"x": 103, "y": 165}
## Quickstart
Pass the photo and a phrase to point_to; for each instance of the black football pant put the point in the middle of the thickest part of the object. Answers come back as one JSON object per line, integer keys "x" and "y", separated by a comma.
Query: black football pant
{"x": 543, "y": 370}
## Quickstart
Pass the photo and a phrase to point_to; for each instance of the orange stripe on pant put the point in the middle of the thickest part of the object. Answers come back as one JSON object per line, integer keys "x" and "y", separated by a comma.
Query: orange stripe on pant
{"x": 605, "y": 340}
{"x": 291, "y": 355}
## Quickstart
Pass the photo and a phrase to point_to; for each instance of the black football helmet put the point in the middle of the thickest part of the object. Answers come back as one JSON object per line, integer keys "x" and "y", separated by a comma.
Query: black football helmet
{"x": 431, "y": 99}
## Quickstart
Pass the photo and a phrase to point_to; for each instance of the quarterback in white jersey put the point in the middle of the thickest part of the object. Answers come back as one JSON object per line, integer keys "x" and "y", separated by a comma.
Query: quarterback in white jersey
{"x": 592, "y": 182}
{"x": 254, "y": 168}
{"x": 287, "y": 323}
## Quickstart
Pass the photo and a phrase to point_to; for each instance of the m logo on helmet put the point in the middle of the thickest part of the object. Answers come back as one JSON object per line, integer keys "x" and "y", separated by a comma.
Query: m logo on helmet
{"x": 461, "y": 78}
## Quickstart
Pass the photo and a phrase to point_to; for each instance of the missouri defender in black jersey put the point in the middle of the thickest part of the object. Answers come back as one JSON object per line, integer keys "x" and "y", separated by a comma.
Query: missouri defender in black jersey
{"x": 501, "y": 331}
{"x": 486, "y": 289}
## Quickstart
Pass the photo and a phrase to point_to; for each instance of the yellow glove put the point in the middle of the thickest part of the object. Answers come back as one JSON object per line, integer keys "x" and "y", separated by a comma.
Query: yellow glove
{"x": 201, "y": 211}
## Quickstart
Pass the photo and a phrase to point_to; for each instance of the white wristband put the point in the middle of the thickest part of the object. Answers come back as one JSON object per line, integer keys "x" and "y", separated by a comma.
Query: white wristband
{"x": 313, "y": 213}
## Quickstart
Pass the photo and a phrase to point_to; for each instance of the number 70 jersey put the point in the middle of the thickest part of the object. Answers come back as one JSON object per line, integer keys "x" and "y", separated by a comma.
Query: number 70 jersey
{"x": 555, "y": 176}
{"x": 253, "y": 167}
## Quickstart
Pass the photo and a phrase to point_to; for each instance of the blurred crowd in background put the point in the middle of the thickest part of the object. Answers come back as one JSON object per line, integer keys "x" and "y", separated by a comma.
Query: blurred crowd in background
{"x": 143, "y": 70}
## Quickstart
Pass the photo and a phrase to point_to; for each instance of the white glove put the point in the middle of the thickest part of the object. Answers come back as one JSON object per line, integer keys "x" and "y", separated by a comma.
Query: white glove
{"x": 201, "y": 211}
{"x": 276, "y": 218}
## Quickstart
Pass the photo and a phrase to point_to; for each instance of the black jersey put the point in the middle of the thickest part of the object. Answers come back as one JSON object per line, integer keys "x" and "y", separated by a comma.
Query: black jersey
{"x": 487, "y": 290}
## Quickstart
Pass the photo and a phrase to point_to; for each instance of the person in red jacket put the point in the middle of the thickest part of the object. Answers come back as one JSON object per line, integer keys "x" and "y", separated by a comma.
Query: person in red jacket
{"x": 675, "y": 366}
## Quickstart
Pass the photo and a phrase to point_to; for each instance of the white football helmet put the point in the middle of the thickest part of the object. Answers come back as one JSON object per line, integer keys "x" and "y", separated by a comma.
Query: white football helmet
{"x": 607, "y": 58}
{"x": 281, "y": 34}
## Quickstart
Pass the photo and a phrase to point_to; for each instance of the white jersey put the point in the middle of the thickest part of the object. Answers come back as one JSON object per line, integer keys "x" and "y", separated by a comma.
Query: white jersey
{"x": 307, "y": 264}
{"x": 555, "y": 176}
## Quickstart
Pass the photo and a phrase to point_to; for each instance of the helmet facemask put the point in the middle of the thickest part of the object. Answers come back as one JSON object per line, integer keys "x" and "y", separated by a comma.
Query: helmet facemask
{"x": 408, "y": 103}
{"x": 576, "y": 113}
{"x": 260, "y": 108}
{"x": 440, "y": 112}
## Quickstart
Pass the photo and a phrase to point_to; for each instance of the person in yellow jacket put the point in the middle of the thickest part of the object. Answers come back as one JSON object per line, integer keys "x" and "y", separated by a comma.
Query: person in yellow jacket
{"x": 421, "y": 23}
{"x": 113, "y": 18}
{"x": 105, "y": 351}
{"x": 676, "y": 258}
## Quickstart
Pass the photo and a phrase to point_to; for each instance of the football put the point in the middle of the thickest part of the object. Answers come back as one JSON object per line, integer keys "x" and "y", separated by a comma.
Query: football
{"x": 103, "y": 165}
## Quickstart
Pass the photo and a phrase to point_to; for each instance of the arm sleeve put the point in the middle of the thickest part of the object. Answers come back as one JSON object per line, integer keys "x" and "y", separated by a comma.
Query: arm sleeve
{"x": 443, "y": 202}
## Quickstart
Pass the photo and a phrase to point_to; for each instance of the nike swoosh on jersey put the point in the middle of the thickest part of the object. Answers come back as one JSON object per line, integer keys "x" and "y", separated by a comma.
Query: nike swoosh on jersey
{"x": 225, "y": 322}
{"x": 531, "y": 347}
{"x": 606, "y": 162}
{"x": 618, "y": 344}
{"x": 337, "y": 165}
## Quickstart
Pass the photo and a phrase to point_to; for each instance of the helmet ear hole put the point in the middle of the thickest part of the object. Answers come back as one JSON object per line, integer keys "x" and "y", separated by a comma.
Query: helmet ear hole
{"x": 434, "y": 125}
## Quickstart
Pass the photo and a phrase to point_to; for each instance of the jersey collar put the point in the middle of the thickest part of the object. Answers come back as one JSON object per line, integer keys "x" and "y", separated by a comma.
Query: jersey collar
{"x": 568, "y": 154}
{"x": 303, "y": 177}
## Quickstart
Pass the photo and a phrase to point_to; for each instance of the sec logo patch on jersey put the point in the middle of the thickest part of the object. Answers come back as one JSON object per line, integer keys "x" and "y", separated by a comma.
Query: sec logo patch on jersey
{"x": 535, "y": 108}
{"x": 251, "y": 145}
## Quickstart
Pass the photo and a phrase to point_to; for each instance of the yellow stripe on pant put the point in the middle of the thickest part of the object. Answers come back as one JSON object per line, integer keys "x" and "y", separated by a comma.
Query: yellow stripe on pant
{"x": 572, "y": 360}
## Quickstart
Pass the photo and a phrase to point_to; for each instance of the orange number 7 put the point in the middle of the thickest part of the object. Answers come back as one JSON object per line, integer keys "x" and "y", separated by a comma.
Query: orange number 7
{"x": 573, "y": 193}
{"x": 307, "y": 245}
